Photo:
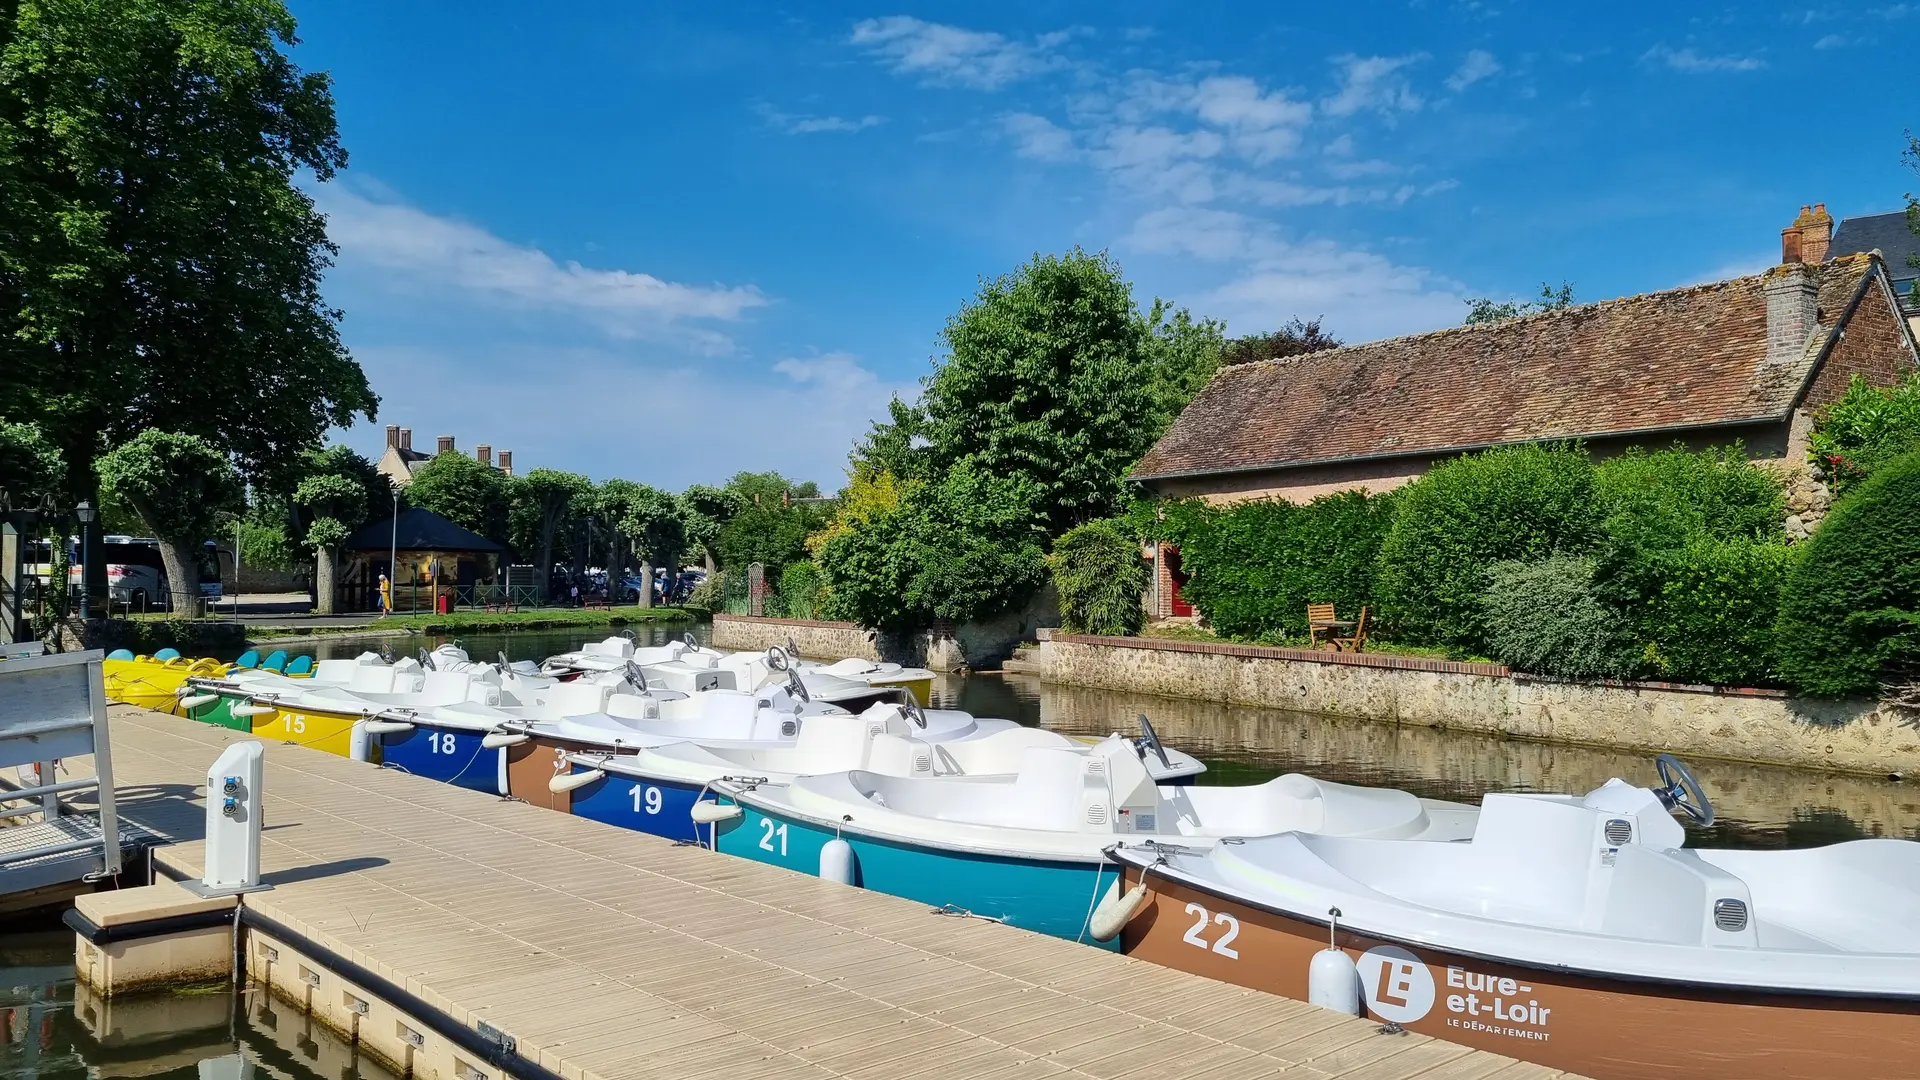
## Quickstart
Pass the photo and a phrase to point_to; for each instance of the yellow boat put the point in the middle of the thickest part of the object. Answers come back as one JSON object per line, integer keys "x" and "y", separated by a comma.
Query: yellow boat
{"x": 319, "y": 729}
{"x": 153, "y": 682}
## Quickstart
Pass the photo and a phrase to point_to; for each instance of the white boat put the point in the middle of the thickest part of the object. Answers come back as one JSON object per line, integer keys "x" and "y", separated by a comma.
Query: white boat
{"x": 688, "y": 667}
{"x": 1032, "y": 848}
{"x": 1574, "y": 932}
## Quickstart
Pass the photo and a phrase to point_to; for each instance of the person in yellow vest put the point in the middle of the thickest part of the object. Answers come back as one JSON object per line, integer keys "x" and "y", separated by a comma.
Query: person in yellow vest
{"x": 386, "y": 595}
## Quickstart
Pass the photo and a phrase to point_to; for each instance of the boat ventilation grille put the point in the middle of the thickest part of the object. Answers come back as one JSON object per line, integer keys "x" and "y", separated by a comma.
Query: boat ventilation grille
{"x": 922, "y": 763}
{"x": 1619, "y": 831}
{"x": 1096, "y": 813}
{"x": 1096, "y": 765}
{"x": 1730, "y": 915}
{"x": 788, "y": 729}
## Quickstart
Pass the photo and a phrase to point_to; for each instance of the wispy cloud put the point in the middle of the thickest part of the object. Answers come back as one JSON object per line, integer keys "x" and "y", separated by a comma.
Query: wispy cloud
{"x": 1373, "y": 82}
{"x": 1692, "y": 62}
{"x": 795, "y": 124}
{"x": 428, "y": 251}
{"x": 953, "y": 55}
{"x": 1831, "y": 41}
{"x": 1038, "y": 137}
{"x": 1479, "y": 64}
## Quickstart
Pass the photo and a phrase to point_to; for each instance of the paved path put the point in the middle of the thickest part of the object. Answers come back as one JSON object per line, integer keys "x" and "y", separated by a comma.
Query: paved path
{"x": 612, "y": 954}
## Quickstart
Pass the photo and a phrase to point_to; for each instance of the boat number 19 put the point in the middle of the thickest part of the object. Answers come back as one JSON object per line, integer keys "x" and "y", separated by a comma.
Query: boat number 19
{"x": 1201, "y": 919}
{"x": 644, "y": 797}
{"x": 769, "y": 831}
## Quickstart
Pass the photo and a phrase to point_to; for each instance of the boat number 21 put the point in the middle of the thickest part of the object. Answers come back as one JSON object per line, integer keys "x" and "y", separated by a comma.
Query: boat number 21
{"x": 1201, "y": 919}
{"x": 771, "y": 833}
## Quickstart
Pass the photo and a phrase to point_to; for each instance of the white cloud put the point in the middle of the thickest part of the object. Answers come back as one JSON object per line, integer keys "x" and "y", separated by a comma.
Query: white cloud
{"x": 1373, "y": 82}
{"x": 1038, "y": 137}
{"x": 793, "y": 124}
{"x": 1831, "y": 41}
{"x": 837, "y": 372}
{"x": 1263, "y": 125}
{"x": 1692, "y": 62}
{"x": 425, "y": 250}
{"x": 1478, "y": 65}
{"x": 952, "y": 55}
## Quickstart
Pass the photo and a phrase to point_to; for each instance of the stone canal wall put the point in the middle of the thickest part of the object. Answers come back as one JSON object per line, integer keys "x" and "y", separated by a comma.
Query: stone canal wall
{"x": 814, "y": 638}
{"x": 1765, "y": 726}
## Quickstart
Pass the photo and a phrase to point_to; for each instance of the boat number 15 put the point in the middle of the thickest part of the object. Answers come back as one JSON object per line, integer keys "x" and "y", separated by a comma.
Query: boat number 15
{"x": 769, "y": 832}
{"x": 645, "y": 798}
{"x": 1195, "y": 935}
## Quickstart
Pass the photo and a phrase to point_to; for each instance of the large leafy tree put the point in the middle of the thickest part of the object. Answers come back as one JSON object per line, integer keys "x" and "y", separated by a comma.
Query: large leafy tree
{"x": 159, "y": 267}
{"x": 1182, "y": 354}
{"x": 543, "y": 502}
{"x": 653, "y": 523}
{"x": 30, "y": 466}
{"x": 465, "y": 492}
{"x": 1296, "y": 338}
{"x": 704, "y": 512}
{"x": 769, "y": 527}
{"x": 179, "y": 485}
{"x": 1047, "y": 379}
{"x": 895, "y": 446}
{"x": 335, "y": 503}
{"x": 1483, "y": 309}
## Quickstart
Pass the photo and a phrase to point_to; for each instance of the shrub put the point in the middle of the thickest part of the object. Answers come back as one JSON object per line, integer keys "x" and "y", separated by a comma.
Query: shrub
{"x": 1544, "y": 617}
{"x": 709, "y": 594}
{"x": 1851, "y": 616}
{"x": 1455, "y": 522}
{"x": 1098, "y": 573}
{"x": 798, "y": 596}
{"x": 1255, "y": 566}
{"x": 1868, "y": 427}
{"x": 1713, "y": 620}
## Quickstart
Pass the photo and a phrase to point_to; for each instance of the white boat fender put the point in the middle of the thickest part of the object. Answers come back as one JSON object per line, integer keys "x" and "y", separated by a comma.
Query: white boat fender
{"x": 251, "y": 710}
{"x": 837, "y": 862}
{"x": 708, "y": 812}
{"x": 388, "y": 727}
{"x": 494, "y": 740}
{"x": 1333, "y": 981}
{"x": 196, "y": 700}
{"x": 569, "y": 781}
{"x": 1117, "y": 909}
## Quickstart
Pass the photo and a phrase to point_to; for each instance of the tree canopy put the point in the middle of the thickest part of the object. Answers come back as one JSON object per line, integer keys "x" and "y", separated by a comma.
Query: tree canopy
{"x": 465, "y": 492}
{"x": 1294, "y": 339}
{"x": 180, "y": 486}
{"x": 1482, "y": 309}
{"x": 30, "y": 466}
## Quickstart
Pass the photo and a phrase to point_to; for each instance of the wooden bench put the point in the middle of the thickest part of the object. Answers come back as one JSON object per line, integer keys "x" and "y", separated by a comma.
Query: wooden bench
{"x": 1358, "y": 640}
{"x": 1320, "y": 620}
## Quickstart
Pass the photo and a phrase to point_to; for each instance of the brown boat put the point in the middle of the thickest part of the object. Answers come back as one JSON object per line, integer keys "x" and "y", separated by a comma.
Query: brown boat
{"x": 1573, "y": 933}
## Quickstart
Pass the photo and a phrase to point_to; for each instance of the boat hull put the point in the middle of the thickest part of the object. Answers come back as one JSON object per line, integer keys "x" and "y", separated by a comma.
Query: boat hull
{"x": 533, "y": 764}
{"x": 657, "y": 807}
{"x": 219, "y": 713}
{"x": 449, "y": 755}
{"x": 1607, "y": 1028}
{"x": 149, "y": 683}
{"x": 327, "y": 731}
{"x": 1047, "y": 897}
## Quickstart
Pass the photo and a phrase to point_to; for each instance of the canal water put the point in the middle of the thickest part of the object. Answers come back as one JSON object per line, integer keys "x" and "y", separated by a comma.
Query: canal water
{"x": 1758, "y": 806}
{"x": 52, "y": 1029}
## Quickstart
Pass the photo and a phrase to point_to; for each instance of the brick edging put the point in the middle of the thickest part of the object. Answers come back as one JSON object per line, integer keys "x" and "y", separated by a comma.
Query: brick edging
{"x": 1312, "y": 656}
{"x": 771, "y": 621}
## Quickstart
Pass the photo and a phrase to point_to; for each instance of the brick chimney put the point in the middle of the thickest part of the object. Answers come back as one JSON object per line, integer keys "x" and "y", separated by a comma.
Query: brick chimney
{"x": 446, "y": 445}
{"x": 406, "y": 438}
{"x": 393, "y": 436}
{"x": 1809, "y": 237}
{"x": 506, "y": 462}
{"x": 483, "y": 454}
{"x": 1793, "y": 314}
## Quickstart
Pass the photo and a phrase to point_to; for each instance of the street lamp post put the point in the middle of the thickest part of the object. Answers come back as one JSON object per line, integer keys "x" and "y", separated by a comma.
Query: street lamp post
{"x": 393, "y": 555}
{"x": 86, "y": 513}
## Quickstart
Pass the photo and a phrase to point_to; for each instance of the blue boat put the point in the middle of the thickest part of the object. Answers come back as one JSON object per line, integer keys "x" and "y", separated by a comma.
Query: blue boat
{"x": 648, "y": 805}
{"x": 448, "y": 754}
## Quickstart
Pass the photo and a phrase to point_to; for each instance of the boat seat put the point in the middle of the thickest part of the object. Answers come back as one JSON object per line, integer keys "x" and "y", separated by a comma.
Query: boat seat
{"x": 1045, "y": 793}
{"x": 834, "y": 744}
{"x": 367, "y": 679}
{"x": 275, "y": 661}
{"x": 851, "y": 667}
{"x": 997, "y": 754}
{"x": 127, "y": 654}
{"x": 619, "y": 648}
{"x": 301, "y": 665}
{"x": 248, "y": 659}
{"x": 174, "y": 654}
{"x": 335, "y": 671}
{"x": 1672, "y": 896}
{"x": 1299, "y": 802}
{"x": 659, "y": 654}
{"x": 899, "y": 755}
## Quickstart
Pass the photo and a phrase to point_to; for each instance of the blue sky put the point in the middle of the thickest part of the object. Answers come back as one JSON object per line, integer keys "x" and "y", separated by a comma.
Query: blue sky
{"x": 667, "y": 244}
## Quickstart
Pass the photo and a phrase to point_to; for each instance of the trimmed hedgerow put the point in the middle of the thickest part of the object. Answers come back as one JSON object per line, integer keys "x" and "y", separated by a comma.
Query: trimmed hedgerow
{"x": 1544, "y": 617}
{"x": 1100, "y": 578}
{"x": 1851, "y": 618}
{"x": 1454, "y": 523}
{"x": 1713, "y": 620}
{"x": 1255, "y": 566}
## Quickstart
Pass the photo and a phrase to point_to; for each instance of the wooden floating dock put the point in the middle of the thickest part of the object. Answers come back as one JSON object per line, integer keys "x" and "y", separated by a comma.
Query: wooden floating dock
{"x": 596, "y": 952}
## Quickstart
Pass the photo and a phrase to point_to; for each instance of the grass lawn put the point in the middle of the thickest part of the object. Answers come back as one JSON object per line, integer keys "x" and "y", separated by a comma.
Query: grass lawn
{"x": 536, "y": 619}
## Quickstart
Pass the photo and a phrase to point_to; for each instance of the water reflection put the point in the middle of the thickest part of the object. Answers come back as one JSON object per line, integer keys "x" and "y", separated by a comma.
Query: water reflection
{"x": 51, "y": 1028}
{"x": 1758, "y": 806}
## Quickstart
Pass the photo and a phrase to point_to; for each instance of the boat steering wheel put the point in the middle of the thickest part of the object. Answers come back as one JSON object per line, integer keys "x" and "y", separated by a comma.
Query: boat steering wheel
{"x": 1682, "y": 791}
{"x": 636, "y": 676}
{"x": 1150, "y": 740}
{"x": 910, "y": 708}
{"x": 776, "y": 658}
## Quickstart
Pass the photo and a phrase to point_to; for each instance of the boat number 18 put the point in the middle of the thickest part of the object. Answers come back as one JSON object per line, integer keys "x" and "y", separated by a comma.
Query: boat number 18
{"x": 440, "y": 742}
{"x": 645, "y": 798}
{"x": 769, "y": 831}
{"x": 1201, "y": 919}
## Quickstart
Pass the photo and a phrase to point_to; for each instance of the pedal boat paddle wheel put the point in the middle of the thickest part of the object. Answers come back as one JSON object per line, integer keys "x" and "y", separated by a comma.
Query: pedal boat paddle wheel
{"x": 1574, "y": 932}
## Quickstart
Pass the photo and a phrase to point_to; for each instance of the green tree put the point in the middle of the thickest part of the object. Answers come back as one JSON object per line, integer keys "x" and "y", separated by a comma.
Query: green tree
{"x": 1483, "y": 309}
{"x": 1296, "y": 338}
{"x": 161, "y": 266}
{"x": 1868, "y": 427}
{"x": 705, "y": 511}
{"x": 894, "y": 446}
{"x": 542, "y": 502}
{"x": 769, "y": 527}
{"x": 335, "y": 504}
{"x": 179, "y": 485}
{"x": 31, "y": 470}
{"x": 1182, "y": 354}
{"x": 653, "y": 523}
{"x": 465, "y": 492}
{"x": 1099, "y": 574}
{"x": 1047, "y": 379}
{"x": 1850, "y": 620}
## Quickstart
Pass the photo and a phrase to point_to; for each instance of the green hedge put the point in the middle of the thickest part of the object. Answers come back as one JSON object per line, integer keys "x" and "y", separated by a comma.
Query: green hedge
{"x": 1454, "y": 523}
{"x": 1545, "y": 618}
{"x": 798, "y": 594}
{"x": 1100, "y": 578}
{"x": 1255, "y": 566}
{"x": 1851, "y": 617}
{"x": 1713, "y": 620}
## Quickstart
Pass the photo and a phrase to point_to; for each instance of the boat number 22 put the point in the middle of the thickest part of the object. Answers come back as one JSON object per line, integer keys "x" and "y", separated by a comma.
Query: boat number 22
{"x": 1201, "y": 919}
{"x": 769, "y": 832}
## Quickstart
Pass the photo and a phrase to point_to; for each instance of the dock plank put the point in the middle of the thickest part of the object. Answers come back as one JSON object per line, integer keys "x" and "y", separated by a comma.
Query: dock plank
{"x": 613, "y": 955}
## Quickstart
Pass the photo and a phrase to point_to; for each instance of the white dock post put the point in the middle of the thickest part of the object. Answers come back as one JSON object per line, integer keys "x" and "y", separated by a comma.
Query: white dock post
{"x": 234, "y": 807}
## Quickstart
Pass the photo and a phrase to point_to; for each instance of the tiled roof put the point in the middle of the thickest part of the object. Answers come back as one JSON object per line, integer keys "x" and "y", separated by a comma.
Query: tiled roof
{"x": 1886, "y": 232}
{"x": 1691, "y": 357}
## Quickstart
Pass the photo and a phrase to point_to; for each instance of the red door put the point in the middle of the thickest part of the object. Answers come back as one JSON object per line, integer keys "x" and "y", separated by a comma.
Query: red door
{"x": 1177, "y": 605}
